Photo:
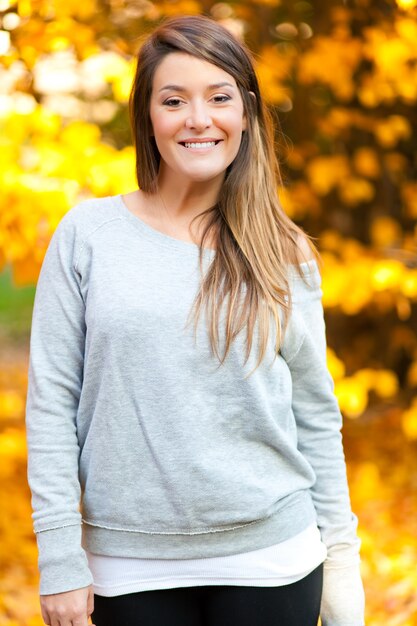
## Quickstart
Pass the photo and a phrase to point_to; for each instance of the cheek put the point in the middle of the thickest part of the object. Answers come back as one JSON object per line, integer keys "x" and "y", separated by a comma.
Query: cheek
{"x": 161, "y": 128}
{"x": 163, "y": 125}
{"x": 233, "y": 123}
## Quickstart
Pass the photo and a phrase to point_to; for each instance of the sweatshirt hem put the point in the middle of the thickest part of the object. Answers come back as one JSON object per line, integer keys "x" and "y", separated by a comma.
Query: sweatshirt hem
{"x": 281, "y": 525}
{"x": 178, "y": 531}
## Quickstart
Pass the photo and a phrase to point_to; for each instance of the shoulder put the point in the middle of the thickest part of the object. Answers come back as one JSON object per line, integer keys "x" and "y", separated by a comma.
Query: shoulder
{"x": 91, "y": 213}
{"x": 304, "y": 248}
{"x": 80, "y": 222}
{"x": 86, "y": 217}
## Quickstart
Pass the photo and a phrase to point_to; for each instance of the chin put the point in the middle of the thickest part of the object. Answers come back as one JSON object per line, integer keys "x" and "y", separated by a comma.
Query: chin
{"x": 204, "y": 173}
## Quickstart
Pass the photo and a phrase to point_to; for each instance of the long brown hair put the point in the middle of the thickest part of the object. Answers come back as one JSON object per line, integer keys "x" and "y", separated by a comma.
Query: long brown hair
{"x": 255, "y": 239}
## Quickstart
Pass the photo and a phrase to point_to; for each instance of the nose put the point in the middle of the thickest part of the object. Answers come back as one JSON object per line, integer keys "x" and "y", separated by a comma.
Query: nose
{"x": 199, "y": 117}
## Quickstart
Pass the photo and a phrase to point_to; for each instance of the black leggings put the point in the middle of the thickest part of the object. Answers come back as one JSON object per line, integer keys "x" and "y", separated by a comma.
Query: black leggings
{"x": 297, "y": 604}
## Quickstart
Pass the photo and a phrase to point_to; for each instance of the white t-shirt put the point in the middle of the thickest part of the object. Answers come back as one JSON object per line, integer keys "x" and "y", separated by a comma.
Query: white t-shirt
{"x": 280, "y": 564}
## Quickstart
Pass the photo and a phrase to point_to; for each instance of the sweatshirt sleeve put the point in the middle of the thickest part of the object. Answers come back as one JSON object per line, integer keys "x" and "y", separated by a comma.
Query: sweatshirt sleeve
{"x": 55, "y": 378}
{"x": 319, "y": 423}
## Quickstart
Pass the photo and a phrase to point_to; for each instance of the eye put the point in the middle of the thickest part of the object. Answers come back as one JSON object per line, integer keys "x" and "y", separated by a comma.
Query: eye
{"x": 226, "y": 98}
{"x": 171, "y": 101}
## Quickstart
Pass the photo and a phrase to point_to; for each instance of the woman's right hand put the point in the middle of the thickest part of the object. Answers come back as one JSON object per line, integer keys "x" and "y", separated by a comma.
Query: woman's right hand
{"x": 70, "y": 608}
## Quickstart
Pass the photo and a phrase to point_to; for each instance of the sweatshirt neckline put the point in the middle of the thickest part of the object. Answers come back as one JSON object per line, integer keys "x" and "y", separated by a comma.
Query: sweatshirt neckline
{"x": 308, "y": 267}
{"x": 156, "y": 235}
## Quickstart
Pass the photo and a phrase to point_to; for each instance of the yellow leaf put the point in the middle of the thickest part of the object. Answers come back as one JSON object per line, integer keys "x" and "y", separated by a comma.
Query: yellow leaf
{"x": 354, "y": 190}
{"x": 385, "y": 231}
{"x": 390, "y": 131}
{"x": 11, "y": 404}
{"x": 386, "y": 383}
{"x": 325, "y": 172}
{"x": 366, "y": 163}
{"x": 352, "y": 396}
{"x": 387, "y": 274}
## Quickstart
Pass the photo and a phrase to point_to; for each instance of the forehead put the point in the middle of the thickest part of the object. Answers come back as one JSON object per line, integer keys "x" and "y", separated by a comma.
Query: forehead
{"x": 183, "y": 69}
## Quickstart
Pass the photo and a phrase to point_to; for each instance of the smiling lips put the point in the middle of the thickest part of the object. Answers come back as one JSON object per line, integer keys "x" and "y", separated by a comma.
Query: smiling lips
{"x": 200, "y": 145}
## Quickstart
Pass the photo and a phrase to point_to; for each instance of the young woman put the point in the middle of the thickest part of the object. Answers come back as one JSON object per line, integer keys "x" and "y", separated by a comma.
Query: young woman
{"x": 178, "y": 384}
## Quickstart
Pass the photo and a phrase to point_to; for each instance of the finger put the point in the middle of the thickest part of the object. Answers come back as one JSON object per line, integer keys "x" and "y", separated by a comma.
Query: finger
{"x": 61, "y": 621}
{"x": 80, "y": 621}
{"x": 45, "y": 616}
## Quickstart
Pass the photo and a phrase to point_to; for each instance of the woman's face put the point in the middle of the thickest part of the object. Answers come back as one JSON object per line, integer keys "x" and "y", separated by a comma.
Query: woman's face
{"x": 193, "y": 100}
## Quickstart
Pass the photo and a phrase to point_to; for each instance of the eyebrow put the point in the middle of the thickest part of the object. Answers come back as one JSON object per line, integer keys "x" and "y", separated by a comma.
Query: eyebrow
{"x": 182, "y": 89}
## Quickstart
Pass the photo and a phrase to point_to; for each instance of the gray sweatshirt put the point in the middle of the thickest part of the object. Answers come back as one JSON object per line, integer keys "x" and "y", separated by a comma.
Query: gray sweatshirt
{"x": 139, "y": 442}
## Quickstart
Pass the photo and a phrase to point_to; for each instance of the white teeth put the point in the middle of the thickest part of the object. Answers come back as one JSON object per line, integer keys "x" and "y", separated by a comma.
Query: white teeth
{"x": 206, "y": 144}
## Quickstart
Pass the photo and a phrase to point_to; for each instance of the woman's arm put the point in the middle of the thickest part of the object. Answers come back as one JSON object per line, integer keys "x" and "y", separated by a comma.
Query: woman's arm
{"x": 319, "y": 423}
{"x": 54, "y": 386}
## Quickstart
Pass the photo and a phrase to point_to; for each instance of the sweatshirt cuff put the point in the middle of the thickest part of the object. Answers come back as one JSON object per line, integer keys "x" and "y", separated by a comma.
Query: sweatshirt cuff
{"x": 343, "y": 555}
{"x": 343, "y": 597}
{"x": 63, "y": 564}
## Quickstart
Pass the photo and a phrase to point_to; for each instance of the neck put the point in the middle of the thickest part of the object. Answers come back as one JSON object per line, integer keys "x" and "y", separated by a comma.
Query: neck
{"x": 184, "y": 199}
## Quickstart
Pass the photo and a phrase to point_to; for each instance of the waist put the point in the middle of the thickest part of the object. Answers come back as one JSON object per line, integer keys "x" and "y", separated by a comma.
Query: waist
{"x": 278, "y": 564}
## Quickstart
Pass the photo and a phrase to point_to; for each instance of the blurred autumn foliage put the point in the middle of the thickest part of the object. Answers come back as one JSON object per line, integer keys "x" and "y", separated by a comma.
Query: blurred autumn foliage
{"x": 342, "y": 79}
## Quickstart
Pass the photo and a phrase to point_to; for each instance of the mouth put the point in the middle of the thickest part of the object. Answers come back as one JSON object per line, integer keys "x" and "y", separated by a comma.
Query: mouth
{"x": 200, "y": 145}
